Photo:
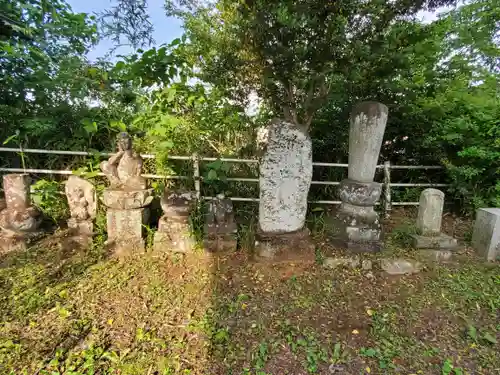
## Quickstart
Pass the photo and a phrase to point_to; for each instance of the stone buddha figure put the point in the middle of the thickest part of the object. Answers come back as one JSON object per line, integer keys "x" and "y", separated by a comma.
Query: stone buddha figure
{"x": 123, "y": 169}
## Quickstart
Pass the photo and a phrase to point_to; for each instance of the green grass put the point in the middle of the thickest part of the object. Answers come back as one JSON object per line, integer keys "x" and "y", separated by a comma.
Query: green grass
{"x": 80, "y": 312}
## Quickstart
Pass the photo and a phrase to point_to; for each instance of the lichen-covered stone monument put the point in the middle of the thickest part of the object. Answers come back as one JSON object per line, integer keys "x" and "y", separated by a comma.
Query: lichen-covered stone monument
{"x": 220, "y": 228}
{"x": 429, "y": 238}
{"x": 357, "y": 223}
{"x": 174, "y": 228}
{"x": 19, "y": 220}
{"x": 127, "y": 199}
{"x": 486, "y": 234}
{"x": 285, "y": 178}
{"x": 82, "y": 201}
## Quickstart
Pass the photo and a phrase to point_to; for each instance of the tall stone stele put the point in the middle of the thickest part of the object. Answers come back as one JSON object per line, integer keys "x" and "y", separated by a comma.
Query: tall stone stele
{"x": 82, "y": 201}
{"x": 174, "y": 228}
{"x": 429, "y": 238}
{"x": 19, "y": 219}
{"x": 285, "y": 178}
{"x": 358, "y": 226}
{"x": 127, "y": 198}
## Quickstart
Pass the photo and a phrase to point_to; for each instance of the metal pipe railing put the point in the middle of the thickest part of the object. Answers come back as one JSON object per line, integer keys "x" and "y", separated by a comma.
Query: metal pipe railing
{"x": 195, "y": 159}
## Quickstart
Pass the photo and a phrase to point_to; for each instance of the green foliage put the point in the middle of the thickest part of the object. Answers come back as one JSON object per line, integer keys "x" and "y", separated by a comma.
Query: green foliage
{"x": 49, "y": 197}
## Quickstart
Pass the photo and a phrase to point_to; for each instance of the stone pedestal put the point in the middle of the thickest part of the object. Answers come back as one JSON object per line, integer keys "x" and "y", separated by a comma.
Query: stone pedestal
{"x": 174, "y": 229}
{"x": 285, "y": 178}
{"x": 486, "y": 234}
{"x": 19, "y": 220}
{"x": 174, "y": 234}
{"x": 357, "y": 223}
{"x": 220, "y": 237}
{"x": 284, "y": 246}
{"x": 429, "y": 239}
{"x": 126, "y": 218}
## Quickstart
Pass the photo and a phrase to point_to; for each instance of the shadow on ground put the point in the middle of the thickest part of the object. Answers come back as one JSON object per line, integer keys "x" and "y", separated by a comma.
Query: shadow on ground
{"x": 158, "y": 313}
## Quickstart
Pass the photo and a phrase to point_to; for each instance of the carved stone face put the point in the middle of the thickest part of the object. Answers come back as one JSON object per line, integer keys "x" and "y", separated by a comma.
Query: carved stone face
{"x": 124, "y": 141}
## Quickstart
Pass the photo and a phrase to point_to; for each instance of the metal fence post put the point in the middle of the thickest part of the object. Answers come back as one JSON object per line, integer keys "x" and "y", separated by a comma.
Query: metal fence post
{"x": 387, "y": 189}
{"x": 196, "y": 175}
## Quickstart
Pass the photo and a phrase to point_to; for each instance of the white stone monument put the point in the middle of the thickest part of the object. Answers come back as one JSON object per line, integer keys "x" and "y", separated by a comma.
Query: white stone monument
{"x": 358, "y": 225}
{"x": 486, "y": 234}
{"x": 429, "y": 236}
{"x": 285, "y": 178}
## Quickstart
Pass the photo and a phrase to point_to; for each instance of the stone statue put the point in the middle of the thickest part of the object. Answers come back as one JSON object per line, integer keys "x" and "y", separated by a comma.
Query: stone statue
{"x": 123, "y": 169}
{"x": 220, "y": 227}
{"x": 19, "y": 220}
{"x": 82, "y": 203}
{"x": 127, "y": 199}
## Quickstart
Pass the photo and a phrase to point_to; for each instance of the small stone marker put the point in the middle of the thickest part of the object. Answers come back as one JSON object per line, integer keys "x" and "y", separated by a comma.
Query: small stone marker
{"x": 400, "y": 266}
{"x": 127, "y": 199}
{"x": 82, "y": 201}
{"x": 174, "y": 229}
{"x": 19, "y": 220}
{"x": 220, "y": 228}
{"x": 285, "y": 178}
{"x": 357, "y": 222}
{"x": 429, "y": 238}
{"x": 486, "y": 234}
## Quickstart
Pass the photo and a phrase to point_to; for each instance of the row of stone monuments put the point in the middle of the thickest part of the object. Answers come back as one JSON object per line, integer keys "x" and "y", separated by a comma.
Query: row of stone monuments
{"x": 285, "y": 178}
{"x": 127, "y": 201}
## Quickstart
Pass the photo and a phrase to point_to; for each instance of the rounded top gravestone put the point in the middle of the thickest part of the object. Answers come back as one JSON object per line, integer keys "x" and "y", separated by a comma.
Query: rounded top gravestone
{"x": 430, "y": 212}
{"x": 368, "y": 120}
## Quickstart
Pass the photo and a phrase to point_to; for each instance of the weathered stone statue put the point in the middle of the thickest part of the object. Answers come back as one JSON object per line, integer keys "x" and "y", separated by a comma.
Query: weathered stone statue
{"x": 19, "y": 220}
{"x": 123, "y": 169}
{"x": 358, "y": 226}
{"x": 220, "y": 228}
{"x": 285, "y": 178}
{"x": 174, "y": 229}
{"x": 82, "y": 203}
{"x": 429, "y": 237}
{"x": 127, "y": 198}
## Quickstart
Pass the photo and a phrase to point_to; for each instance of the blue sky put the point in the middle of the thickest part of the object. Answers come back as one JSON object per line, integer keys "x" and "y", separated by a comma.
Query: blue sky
{"x": 166, "y": 29}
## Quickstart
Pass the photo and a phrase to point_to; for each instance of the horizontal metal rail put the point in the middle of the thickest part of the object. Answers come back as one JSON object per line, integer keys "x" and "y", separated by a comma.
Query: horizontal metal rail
{"x": 195, "y": 159}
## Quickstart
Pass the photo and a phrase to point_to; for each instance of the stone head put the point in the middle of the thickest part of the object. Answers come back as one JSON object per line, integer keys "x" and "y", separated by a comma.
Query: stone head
{"x": 124, "y": 141}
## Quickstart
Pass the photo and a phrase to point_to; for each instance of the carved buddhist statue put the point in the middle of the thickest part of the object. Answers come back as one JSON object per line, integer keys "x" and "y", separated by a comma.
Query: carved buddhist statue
{"x": 127, "y": 197}
{"x": 123, "y": 169}
{"x": 19, "y": 220}
{"x": 82, "y": 203}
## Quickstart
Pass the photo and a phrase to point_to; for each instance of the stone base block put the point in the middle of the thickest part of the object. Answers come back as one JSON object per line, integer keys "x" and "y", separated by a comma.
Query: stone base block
{"x": 436, "y": 255}
{"x": 486, "y": 234}
{"x": 175, "y": 243}
{"x": 81, "y": 227}
{"x": 174, "y": 234}
{"x": 125, "y": 229}
{"x": 220, "y": 242}
{"x": 288, "y": 246}
{"x": 442, "y": 241}
{"x": 120, "y": 199}
{"x": 357, "y": 229}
